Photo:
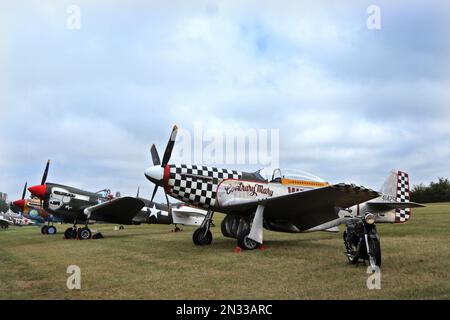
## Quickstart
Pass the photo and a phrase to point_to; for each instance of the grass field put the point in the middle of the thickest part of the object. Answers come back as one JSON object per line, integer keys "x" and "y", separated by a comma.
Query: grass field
{"x": 150, "y": 262}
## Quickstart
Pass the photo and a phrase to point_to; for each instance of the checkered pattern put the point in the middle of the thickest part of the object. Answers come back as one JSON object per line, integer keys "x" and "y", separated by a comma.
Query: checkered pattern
{"x": 200, "y": 189}
{"x": 402, "y": 215}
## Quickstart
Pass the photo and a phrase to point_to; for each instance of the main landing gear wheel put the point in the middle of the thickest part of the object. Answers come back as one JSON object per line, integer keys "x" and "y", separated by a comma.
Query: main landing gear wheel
{"x": 245, "y": 243}
{"x": 44, "y": 230}
{"x": 201, "y": 238}
{"x": 70, "y": 233}
{"x": 84, "y": 233}
{"x": 51, "y": 230}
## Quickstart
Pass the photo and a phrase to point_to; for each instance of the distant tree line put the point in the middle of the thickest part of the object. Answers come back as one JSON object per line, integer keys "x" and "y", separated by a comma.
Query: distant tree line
{"x": 435, "y": 192}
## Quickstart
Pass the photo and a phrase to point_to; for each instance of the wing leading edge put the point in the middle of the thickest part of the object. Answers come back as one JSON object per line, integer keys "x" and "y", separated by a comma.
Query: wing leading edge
{"x": 119, "y": 210}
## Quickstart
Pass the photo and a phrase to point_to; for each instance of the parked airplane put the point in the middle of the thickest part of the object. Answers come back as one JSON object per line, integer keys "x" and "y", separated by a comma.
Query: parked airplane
{"x": 11, "y": 218}
{"x": 285, "y": 203}
{"x": 78, "y": 206}
{"x": 176, "y": 214}
{"x": 72, "y": 205}
{"x": 31, "y": 209}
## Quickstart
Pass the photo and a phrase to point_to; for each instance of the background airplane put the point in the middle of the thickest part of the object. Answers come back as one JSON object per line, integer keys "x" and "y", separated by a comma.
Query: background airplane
{"x": 11, "y": 218}
{"x": 31, "y": 208}
{"x": 176, "y": 214}
{"x": 75, "y": 206}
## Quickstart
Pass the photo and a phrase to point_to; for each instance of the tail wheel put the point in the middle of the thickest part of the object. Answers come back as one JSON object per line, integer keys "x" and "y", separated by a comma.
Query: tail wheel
{"x": 245, "y": 243}
{"x": 84, "y": 233}
{"x": 44, "y": 230}
{"x": 200, "y": 238}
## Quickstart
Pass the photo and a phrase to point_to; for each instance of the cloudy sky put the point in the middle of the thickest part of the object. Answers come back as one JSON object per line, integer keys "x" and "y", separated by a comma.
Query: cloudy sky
{"x": 350, "y": 103}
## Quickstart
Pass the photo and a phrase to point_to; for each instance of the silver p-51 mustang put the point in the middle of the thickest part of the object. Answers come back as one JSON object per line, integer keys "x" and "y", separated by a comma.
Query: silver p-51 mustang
{"x": 285, "y": 203}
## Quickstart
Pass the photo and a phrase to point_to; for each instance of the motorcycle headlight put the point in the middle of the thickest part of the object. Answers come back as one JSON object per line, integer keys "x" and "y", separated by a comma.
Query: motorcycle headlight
{"x": 370, "y": 218}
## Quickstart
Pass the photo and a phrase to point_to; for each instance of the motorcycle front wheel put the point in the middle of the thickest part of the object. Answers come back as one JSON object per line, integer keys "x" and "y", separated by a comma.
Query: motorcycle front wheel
{"x": 375, "y": 252}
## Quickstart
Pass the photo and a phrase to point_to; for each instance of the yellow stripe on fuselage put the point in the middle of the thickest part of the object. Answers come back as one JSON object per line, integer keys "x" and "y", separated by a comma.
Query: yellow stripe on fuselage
{"x": 304, "y": 183}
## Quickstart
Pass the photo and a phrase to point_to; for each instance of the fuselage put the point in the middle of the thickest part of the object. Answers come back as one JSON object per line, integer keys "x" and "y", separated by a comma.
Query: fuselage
{"x": 214, "y": 188}
{"x": 68, "y": 203}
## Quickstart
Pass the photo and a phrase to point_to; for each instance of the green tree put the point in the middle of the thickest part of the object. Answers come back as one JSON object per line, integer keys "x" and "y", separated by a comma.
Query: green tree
{"x": 435, "y": 192}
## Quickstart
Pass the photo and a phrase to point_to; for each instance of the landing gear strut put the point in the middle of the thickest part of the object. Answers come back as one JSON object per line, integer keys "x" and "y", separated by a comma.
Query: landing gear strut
{"x": 203, "y": 236}
{"x": 177, "y": 229}
{"x": 78, "y": 233}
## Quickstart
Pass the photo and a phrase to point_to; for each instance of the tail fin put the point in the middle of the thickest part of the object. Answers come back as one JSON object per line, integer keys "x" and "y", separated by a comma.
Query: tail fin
{"x": 396, "y": 188}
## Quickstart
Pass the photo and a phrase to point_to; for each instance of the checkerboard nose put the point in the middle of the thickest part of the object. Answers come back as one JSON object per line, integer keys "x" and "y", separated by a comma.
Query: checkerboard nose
{"x": 155, "y": 173}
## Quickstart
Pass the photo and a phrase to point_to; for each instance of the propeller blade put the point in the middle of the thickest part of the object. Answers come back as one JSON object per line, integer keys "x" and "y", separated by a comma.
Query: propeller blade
{"x": 154, "y": 192}
{"x": 169, "y": 147}
{"x": 24, "y": 191}
{"x": 155, "y": 156}
{"x": 44, "y": 177}
{"x": 137, "y": 194}
{"x": 169, "y": 209}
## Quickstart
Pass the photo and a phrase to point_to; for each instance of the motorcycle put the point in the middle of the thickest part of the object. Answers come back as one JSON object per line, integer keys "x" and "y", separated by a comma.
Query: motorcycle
{"x": 362, "y": 242}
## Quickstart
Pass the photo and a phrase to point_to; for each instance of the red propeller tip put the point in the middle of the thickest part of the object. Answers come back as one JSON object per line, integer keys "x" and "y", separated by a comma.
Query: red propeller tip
{"x": 38, "y": 191}
{"x": 20, "y": 204}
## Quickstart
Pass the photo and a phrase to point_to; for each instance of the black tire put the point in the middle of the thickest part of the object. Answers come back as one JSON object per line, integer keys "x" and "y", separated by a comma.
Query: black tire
{"x": 200, "y": 239}
{"x": 44, "y": 230}
{"x": 70, "y": 233}
{"x": 84, "y": 233}
{"x": 375, "y": 247}
{"x": 51, "y": 230}
{"x": 245, "y": 243}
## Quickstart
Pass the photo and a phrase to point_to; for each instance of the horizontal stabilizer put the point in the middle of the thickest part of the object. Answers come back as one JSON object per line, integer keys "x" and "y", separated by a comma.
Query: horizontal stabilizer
{"x": 389, "y": 205}
{"x": 334, "y": 229}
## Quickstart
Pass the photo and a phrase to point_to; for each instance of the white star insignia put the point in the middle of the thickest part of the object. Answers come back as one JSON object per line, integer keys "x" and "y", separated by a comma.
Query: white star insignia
{"x": 153, "y": 212}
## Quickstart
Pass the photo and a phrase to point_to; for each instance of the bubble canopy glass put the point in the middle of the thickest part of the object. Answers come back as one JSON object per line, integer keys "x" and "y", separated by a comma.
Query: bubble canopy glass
{"x": 292, "y": 174}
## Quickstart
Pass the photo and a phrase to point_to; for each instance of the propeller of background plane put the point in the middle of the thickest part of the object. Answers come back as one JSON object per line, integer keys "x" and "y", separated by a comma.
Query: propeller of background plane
{"x": 156, "y": 173}
{"x": 40, "y": 190}
{"x": 21, "y": 203}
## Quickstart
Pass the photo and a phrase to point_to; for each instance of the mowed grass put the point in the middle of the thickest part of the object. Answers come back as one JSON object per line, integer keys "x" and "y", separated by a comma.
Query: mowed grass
{"x": 151, "y": 262}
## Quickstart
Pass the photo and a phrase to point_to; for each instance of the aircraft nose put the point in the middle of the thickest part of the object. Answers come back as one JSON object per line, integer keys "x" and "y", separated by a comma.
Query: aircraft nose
{"x": 155, "y": 173}
{"x": 19, "y": 204}
{"x": 38, "y": 191}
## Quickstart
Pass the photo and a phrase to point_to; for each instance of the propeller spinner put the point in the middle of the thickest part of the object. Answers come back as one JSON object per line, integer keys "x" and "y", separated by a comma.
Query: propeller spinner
{"x": 21, "y": 203}
{"x": 40, "y": 190}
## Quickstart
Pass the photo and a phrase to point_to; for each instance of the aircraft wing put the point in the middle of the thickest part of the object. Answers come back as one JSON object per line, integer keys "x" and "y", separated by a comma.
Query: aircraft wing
{"x": 307, "y": 209}
{"x": 119, "y": 210}
{"x": 389, "y": 205}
